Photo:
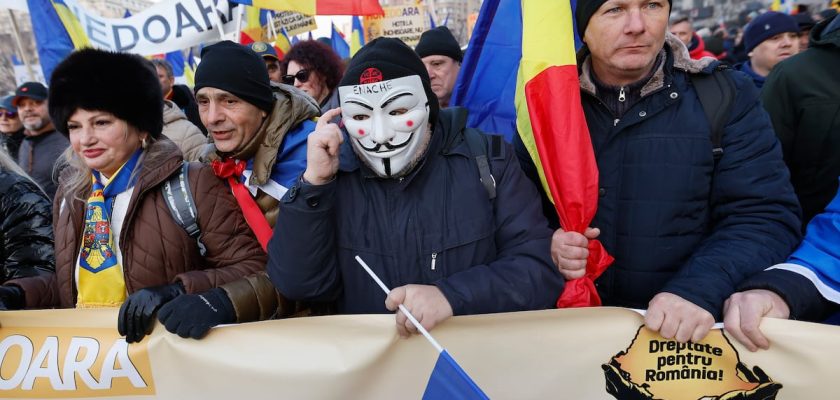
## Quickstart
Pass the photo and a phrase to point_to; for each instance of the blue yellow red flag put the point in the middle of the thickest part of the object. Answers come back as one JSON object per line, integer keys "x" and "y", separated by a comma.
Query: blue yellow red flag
{"x": 357, "y": 37}
{"x": 282, "y": 43}
{"x": 521, "y": 59}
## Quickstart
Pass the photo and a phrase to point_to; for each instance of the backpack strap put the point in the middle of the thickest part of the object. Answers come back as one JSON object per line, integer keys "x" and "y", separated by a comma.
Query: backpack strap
{"x": 454, "y": 120}
{"x": 179, "y": 198}
{"x": 717, "y": 95}
{"x": 477, "y": 143}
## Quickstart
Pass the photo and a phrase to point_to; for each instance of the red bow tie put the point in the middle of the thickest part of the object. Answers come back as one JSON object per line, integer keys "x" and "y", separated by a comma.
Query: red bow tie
{"x": 228, "y": 168}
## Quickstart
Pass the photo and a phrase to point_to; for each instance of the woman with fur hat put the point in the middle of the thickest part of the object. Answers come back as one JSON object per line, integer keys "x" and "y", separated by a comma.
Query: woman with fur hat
{"x": 117, "y": 243}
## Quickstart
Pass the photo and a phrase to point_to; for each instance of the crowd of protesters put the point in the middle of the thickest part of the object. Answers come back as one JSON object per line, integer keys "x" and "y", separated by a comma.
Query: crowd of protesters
{"x": 291, "y": 167}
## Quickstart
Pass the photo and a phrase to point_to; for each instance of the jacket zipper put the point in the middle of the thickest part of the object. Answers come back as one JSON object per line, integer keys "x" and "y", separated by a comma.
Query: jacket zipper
{"x": 621, "y": 95}
{"x": 434, "y": 260}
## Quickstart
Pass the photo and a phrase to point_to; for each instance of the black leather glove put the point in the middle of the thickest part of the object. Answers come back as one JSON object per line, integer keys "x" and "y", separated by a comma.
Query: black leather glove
{"x": 138, "y": 311}
{"x": 193, "y": 315}
{"x": 11, "y": 298}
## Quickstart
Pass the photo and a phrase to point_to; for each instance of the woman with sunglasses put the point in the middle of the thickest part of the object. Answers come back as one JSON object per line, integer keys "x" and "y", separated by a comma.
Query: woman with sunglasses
{"x": 118, "y": 243}
{"x": 314, "y": 67}
{"x": 11, "y": 129}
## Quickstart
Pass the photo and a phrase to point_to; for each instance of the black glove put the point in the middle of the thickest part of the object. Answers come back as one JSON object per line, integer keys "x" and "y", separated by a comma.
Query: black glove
{"x": 137, "y": 312}
{"x": 193, "y": 315}
{"x": 11, "y": 298}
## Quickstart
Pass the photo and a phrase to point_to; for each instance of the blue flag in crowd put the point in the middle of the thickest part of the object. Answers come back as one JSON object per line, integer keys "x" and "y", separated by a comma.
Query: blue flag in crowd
{"x": 15, "y": 60}
{"x": 492, "y": 58}
{"x": 51, "y": 37}
{"x": 432, "y": 24}
{"x": 176, "y": 59}
{"x": 449, "y": 381}
{"x": 339, "y": 45}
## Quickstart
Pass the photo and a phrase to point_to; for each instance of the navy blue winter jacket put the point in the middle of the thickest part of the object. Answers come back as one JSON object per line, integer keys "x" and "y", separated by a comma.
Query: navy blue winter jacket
{"x": 437, "y": 226}
{"x": 674, "y": 221}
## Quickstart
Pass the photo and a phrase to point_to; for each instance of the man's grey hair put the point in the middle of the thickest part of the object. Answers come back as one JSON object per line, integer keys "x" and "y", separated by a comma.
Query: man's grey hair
{"x": 159, "y": 62}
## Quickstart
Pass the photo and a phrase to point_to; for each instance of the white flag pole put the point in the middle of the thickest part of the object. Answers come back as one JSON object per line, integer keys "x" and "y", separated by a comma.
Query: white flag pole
{"x": 402, "y": 307}
{"x": 218, "y": 20}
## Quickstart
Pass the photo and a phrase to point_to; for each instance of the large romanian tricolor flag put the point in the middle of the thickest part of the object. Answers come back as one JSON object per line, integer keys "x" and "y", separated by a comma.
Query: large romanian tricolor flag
{"x": 57, "y": 32}
{"x": 520, "y": 75}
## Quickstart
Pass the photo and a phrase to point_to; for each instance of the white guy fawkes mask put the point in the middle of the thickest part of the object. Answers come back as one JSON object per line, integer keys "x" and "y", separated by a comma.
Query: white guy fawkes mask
{"x": 387, "y": 122}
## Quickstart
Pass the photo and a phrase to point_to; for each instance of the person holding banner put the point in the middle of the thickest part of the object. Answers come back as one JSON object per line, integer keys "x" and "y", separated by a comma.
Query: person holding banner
{"x": 259, "y": 135}
{"x": 806, "y": 286}
{"x": 688, "y": 206}
{"x": 118, "y": 241}
{"x": 449, "y": 234}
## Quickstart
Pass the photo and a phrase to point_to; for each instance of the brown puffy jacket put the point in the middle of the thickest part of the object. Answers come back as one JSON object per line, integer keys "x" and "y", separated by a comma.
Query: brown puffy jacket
{"x": 155, "y": 249}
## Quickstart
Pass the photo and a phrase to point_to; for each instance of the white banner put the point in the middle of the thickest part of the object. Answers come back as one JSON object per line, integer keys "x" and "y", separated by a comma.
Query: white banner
{"x": 166, "y": 26}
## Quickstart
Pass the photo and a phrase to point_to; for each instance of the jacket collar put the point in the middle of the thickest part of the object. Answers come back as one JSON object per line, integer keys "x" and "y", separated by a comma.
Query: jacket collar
{"x": 675, "y": 53}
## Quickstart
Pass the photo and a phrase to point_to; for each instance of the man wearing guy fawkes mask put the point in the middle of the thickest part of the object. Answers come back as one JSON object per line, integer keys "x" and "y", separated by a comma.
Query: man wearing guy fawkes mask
{"x": 414, "y": 209}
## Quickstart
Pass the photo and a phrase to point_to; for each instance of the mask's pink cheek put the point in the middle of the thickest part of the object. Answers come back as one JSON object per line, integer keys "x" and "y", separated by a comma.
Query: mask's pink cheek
{"x": 361, "y": 132}
{"x": 410, "y": 123}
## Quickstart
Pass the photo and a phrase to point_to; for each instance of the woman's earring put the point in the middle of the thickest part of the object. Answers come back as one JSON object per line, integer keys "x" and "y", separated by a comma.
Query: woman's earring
{"x": 143, "y": 143}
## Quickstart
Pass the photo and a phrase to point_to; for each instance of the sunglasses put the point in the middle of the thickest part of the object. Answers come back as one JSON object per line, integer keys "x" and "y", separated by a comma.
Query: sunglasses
{"x": 302, "y": 76}
{"x": 8, "y": 114}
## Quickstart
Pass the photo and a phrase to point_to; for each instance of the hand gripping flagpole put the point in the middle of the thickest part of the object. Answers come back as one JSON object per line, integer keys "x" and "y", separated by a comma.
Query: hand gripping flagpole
{"x": 402, "y": 307}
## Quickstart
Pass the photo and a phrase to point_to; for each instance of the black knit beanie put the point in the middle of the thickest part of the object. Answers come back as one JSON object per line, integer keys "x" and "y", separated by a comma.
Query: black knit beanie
{"x": 586, "y": 8}
{"x": 236, "y": 69}
{"x": 387, "y": 58}
{"x": 122, "y": 84}
{"x": 439, "y": 42}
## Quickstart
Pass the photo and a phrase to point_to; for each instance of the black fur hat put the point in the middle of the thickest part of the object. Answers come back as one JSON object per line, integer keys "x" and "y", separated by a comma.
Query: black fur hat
{"x": 122, "y": 84}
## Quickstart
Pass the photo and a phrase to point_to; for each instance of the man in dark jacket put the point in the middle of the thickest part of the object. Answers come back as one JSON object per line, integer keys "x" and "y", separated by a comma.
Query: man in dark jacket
{"x": 415, "y": 209}
{"x": 11, "y": 129}
{"x": 684, "y": 228}
{"x": 43, "y": 145}
{"x": 802, "y": 96}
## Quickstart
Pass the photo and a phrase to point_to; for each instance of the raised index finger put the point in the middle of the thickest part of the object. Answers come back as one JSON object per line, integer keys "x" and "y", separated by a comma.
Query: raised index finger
{"x": 327, "y": 117}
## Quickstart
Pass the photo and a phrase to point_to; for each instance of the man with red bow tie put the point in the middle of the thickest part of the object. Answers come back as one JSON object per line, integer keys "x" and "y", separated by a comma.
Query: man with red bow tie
{"x": 259, "y": 135}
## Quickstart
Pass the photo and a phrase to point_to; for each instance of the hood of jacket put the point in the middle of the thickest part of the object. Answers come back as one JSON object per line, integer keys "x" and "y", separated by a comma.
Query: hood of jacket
{"x": 171, "y": 112}
{"x": 291, "y": 107}
{"x": 819, "y": 38}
